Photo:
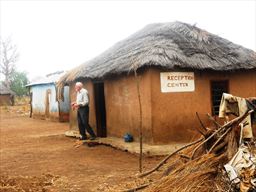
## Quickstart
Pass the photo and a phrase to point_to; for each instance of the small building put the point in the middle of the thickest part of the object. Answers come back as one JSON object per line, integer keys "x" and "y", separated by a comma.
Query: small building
{"x": 6, "y": 95}
{"x": 43, "y": 98}
{"x": 182, "y": 70}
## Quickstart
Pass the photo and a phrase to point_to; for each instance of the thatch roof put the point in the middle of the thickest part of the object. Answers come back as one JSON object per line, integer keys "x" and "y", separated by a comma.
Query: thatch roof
{"x": 5, "y": 91}
{"x": 167, "y": 45}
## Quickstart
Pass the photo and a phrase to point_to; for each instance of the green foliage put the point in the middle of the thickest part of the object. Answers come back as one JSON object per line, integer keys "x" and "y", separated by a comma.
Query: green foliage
{"x": 18, "y": 82}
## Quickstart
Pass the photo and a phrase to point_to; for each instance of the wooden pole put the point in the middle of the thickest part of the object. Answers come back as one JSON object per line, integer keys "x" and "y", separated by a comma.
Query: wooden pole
{"x": 140, "y": 119}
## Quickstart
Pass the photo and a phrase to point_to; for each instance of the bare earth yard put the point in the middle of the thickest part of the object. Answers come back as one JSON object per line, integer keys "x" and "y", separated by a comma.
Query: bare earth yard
{"x": 36, "y": 156}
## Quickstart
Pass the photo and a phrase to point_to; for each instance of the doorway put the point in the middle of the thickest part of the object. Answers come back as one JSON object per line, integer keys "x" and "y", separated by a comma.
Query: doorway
{"x": 99, "y": 100}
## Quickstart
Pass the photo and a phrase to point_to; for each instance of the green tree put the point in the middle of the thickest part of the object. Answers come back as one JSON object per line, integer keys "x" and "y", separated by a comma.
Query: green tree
{"x": 18, "y": 82}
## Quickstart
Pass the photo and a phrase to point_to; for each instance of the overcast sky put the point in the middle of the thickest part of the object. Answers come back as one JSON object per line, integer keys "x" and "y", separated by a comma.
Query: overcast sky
{"x": 59, "y": 35}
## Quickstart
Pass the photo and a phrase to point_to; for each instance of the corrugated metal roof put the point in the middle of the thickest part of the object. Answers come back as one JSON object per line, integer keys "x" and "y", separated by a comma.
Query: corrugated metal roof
{"x": 48, "y": 79}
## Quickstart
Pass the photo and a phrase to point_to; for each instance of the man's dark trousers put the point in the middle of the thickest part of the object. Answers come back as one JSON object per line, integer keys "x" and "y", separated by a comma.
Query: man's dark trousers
{"x": 83, "y": 122}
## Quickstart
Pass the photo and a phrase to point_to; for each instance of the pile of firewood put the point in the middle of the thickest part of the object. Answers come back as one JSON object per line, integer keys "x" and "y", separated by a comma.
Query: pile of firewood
{"x": 198, "y": 166}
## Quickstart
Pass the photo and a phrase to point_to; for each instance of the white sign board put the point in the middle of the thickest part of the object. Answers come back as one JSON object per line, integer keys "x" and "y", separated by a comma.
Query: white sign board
{"x": 177, "y": 82}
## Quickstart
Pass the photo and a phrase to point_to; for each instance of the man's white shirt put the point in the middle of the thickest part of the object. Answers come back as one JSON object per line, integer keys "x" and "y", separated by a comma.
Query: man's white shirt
{"x": 82, "y": 97}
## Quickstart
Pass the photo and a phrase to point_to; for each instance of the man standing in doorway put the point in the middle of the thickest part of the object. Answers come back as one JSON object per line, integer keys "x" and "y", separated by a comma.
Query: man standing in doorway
{"x": 82, "y": 106}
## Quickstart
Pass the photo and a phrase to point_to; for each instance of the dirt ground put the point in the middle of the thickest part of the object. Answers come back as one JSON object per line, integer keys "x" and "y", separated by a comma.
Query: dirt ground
{"x": 36, "y": 156}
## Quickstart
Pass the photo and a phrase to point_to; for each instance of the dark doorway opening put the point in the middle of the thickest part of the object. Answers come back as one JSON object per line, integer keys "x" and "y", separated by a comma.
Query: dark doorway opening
{"x": 217, "y": 89}
{"x": 99, "y": 100}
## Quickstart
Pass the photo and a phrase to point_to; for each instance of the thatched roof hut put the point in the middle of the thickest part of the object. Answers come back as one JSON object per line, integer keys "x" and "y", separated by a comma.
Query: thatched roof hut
{"x": 6, "y": 95}
{"x": 5, "y": 91}
{"x": 182, "y": 70}
{"x": 167, "y": 45}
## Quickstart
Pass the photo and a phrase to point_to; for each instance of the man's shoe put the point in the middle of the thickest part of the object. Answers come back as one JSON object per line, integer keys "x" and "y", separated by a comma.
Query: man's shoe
{"x": 92, "y": 138}
{"x": 83, "y": 138}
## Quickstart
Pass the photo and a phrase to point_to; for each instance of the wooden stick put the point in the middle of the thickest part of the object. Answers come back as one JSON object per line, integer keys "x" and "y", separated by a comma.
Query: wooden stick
{"x": 223, "y": 135}
{"x": 200, "y": 121}
{"x": 184, "y": 156}
{"x": 218, "y": 147}
{"x": 238, "y": 119}
{"x": 137, "y": 188}
{"x": 213, "y": 120}
{"x": 140, "y": 120}
{"x": 170, "y": 155}
{"x": 194, "y": 151}
{"x": 201, "y": 132}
